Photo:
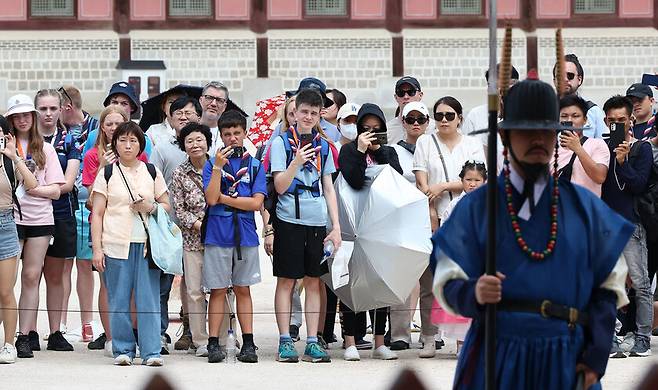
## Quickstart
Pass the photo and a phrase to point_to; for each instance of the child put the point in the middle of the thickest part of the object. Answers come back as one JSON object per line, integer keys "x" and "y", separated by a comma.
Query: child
{"x": 472, "y": 175}
{"x": 234, "y": 185}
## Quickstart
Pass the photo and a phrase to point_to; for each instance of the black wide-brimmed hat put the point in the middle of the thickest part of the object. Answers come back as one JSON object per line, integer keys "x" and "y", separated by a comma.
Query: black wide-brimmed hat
{"x": 531, "y": 105}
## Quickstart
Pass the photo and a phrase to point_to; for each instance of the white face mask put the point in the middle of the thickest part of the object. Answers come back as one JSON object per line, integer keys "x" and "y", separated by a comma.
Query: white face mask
{"x": 348, "y": 131}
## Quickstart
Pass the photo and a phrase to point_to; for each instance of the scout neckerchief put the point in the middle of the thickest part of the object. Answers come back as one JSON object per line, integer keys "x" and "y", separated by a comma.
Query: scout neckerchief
{"x": 295, "y": 144}
{"x": 59, "y": 131}
{"x": 234, "y": 178}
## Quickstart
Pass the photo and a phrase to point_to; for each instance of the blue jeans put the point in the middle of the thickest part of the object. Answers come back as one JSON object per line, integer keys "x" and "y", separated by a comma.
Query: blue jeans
{"x": 123, "y": 278}
{"x": 165, "y": 288}
{"x": 636, "y": 256}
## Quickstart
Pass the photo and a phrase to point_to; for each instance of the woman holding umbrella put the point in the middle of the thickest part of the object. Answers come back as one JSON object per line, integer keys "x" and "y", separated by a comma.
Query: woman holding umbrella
{"x": 367, "y": 150}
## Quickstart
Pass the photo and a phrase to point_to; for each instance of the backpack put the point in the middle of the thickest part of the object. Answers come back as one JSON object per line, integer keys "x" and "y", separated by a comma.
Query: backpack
{"x": 646, "y": 204}
{"x": 108, "y": 171}
{"x": 9, "y": 173}
{"x": 295, "y": 187}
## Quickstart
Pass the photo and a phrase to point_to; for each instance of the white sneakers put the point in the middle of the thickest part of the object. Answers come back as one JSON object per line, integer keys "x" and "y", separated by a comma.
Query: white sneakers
{"x": 154, "y": 362}
{"x": 384, "y": 353}
{"x": 351, "y": 354}
{"x": 8, "y": 354}
{"x": 108, "y": 349}
{"x": 123, "y": 360}
{"x": 428, "y": 351}
{"x": 201, "y": 351}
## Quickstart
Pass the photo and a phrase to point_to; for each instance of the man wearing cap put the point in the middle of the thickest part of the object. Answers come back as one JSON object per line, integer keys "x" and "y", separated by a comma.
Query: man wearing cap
{"x": 478, "y": 119}
{"x": 313, "y": 83}
{"x": 560, "y": 273}
{"x": 121, "y": 95}
{"x": 407, "y": 90}
{"x": 642, "y": 97}
{"x": 574, "y": 74}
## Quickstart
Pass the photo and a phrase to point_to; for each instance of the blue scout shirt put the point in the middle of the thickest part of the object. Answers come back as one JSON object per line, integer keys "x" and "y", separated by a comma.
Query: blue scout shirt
{"x": 219, "y": 230}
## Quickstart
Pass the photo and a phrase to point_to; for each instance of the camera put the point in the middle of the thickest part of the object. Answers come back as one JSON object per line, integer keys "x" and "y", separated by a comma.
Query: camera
{"x": 380, "y": 139}
{"x": 238, "y": 151}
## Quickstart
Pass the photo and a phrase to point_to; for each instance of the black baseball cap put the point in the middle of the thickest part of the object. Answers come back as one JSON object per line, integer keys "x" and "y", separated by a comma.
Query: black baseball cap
{"x": 408, "y": 80}
{"x": 639, "y": 90}
{"x": 316, "y": 84}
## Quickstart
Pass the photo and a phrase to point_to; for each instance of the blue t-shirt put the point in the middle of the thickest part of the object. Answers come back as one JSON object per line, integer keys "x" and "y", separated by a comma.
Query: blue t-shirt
{"x": 312, "y": 210}
{"x": 91, "y": 141}
{"x": 219, "y": 229}
{"x": 67, "y": 149}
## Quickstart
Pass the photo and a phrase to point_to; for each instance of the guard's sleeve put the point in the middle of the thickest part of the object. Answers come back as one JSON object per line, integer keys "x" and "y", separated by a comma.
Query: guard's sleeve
{"x": 454, "y": 291}
{"x": 600, "y": 330}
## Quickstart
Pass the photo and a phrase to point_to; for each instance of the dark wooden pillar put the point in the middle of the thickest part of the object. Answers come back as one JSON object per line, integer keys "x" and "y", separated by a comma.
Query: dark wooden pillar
{"x": 529, "y": 26}
{"x": 121, "y": 25}
{"x": 258, "y": 24}
{"x": 394, "y": 26}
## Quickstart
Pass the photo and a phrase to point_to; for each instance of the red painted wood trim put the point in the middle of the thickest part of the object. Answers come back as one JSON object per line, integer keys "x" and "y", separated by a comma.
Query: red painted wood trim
{"x": 394, "y": 16}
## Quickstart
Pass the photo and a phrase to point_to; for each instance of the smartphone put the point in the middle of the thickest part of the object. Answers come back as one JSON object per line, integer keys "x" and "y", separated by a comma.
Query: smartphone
{"x": 3, "y": 140}
{"x": 305, "y": 139}
{"x": 380, "y": 139}
{"x": 565, "y": 124}
{"x": 617, "y": 134}
{"x": 650, "y": 79}
{"x": 238, "y": 152}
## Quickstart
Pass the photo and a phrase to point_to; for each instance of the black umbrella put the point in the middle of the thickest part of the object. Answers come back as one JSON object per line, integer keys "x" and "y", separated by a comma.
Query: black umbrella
{"x": 152, "y": 108}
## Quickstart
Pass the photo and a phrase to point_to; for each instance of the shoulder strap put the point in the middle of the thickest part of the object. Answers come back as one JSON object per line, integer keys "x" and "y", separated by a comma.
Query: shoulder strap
{"x": 9, "y": 170}
{"x": 443, "y": 162}
{"x": 324, "y": 153}
{"x": 590, "y": 104}
{"x": 255, "y": 169}
{"x": 567, "y": 171}
{"x": 151, "y": 169}
{"x": 107, "y": 172}
{"x": 286, "y": 146}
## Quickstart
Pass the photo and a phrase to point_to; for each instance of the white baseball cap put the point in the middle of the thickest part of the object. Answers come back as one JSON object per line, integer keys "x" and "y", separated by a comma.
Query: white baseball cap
{"x": 415, "y": 106}
{"x": 348, "y": 109}
{"x": 19, "y": 104}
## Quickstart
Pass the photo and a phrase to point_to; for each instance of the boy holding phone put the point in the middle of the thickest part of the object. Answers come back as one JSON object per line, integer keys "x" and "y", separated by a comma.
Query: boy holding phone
{"x": 302, "y": 165}
{"x": 234, "y": 185}
{"x": 630, "y": 166}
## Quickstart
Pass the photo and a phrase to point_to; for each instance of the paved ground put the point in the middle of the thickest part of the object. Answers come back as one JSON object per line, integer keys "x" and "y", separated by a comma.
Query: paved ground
{"x": 84, "y": 369}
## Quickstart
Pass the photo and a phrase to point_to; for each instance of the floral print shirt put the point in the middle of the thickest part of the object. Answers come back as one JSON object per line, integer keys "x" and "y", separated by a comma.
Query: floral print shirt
{"x": 189, "y": 203}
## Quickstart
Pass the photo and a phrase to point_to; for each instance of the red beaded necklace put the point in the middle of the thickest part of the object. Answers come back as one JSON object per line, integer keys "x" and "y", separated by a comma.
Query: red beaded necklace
{"x": 532, "y": 254}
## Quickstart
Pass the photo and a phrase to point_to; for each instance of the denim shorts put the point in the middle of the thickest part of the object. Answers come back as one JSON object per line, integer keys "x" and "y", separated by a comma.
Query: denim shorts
{"x": 9, "y": 246}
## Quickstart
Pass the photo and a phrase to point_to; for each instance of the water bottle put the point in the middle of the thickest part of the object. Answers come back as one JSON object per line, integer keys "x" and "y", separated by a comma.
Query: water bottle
{"x": 230, "y": 348}
{"x": 328, "y": 251}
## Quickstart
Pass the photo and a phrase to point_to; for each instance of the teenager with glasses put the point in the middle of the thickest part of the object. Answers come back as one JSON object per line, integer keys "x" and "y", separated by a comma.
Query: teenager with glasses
{"x": 574, "y": 76}
{"x": 407, "y": 90}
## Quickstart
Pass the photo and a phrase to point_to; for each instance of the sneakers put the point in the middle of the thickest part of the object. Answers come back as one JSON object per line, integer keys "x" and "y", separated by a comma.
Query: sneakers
{"x": 154, "y": 362}
{"x": 314, "y": 353}
{"x": 287, "y": 352}
{"x": 23, "y": 349}
{"x": 628, "y": 342}
{"x": 654, "y": 332}
{"x": 322, "y": 342}
{"x": 616, "y": 352}
{"x": 351, "y": 354}
{"x": 215, "y": 354}
{"x": 99, "y": 343}
{"x": 34, "y": 341}
{"x": 107, "y": 349}
{"x": 642, "y": 347}
{"x": 164, "y": 350}
{"x": 201, "y": 351}
{"x": 294, "y": 333}
{"x": 399, "y": 345}
{"x": 8, "y": 354}
{"x": 384, "y": 353}
{"x": 247, "y": 353}
{"x": 428, "y": 351}
{"x": 123, "y": 360}
{"x": 87, "y": 333}
{"x": 183, "y": 343}
{"x": 57, "y": 342}
{"x": 362, "y": 344}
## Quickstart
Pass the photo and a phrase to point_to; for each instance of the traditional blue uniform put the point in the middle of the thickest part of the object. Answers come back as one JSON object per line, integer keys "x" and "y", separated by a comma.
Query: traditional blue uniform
{"x": 584, "y": 272}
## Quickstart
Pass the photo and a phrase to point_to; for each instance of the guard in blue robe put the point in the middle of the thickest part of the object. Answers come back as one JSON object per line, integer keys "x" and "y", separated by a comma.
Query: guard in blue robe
{"x": 557, "y": 312}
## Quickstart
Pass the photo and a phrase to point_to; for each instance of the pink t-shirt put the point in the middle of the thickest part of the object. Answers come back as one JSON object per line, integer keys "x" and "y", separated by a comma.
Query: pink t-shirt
{"x": 36, "y": 210}
{"x": 91, "y": 163}
{"x": 598, "y": 151}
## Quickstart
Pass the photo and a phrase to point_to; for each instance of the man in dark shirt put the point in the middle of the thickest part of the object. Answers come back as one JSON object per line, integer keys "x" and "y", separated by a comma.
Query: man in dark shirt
{"x": 642, "y": 98}
{"x": 629, "y": 169}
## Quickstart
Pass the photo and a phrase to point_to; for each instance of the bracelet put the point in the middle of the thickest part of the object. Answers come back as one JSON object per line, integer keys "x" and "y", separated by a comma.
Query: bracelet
{"x": 268, "y": 232}
{"x": 216, "y": 168}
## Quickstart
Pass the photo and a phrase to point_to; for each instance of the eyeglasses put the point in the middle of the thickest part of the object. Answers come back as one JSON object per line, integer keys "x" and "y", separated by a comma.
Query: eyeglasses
{"x": 187, "y": 114}
{"x": 62, "y": 90}
{"x": 210, "y": 98}
{"x": 410, "y": 120}
{"x": 571, "y": 76}
{"x": 401, "y": 92}
{"x": 450, "y": 116}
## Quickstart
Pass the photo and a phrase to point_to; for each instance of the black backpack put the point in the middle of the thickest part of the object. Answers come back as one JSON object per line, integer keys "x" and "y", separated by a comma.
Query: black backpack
{"x": 108, "y": 171}
{"x": 9, "y": 172}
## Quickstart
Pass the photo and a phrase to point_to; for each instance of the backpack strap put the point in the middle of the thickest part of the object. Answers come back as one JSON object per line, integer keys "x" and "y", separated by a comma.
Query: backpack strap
{"x": 151, "y": 169}
{"x": 11, "y": 177}
{"x": 589, "y": 104}
{"x": 566, "y": 171}
{"x": 107, "y": 172}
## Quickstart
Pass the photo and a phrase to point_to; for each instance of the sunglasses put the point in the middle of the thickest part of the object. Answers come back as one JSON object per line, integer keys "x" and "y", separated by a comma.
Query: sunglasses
{"x": 410, "y": 120}
{"x": 401, "y": 92}
{"x": 450, "y": 116}
{"x": 571, "y": 76}
{"x": 66, "y": 94}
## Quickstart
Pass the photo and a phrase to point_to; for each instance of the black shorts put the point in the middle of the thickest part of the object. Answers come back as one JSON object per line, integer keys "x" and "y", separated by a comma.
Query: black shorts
{"x": 298, "y": 250}
{"x": 65, "y": 239}
{"x": 29, "y": 231}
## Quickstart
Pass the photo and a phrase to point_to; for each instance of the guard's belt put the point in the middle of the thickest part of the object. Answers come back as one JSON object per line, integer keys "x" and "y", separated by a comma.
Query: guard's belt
{"x": 547, "y": 309}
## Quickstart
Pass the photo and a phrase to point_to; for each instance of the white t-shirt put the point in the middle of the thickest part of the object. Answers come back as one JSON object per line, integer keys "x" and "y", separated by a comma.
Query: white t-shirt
{"x": 478, "y": 119}
{"x": 427, "y": 159}
{"x": 451, "y": 206}
{"x": 406, "y": 160}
